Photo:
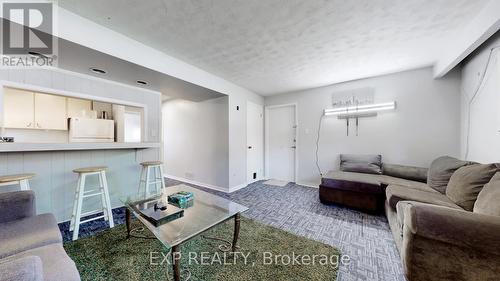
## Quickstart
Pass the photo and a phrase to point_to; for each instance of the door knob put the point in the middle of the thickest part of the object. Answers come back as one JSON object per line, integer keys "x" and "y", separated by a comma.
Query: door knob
{"x": 249, "y": 147}
{"x": 293, "y": 146}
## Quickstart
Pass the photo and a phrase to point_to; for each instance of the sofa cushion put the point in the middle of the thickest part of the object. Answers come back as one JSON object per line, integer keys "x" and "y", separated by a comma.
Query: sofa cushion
{"x": 372, "y": 179}
{"x": 27, "y": 268}
{"x": 466, "y": 183}
{"x": 488, "y": 198}
{"x": 396, "y": 193}
{"x": 405, "y": 172}
{"x": 441, "y": 171}
{"x": 354, "y": 177}
{"x": 388, "y": 180}
{"x": 370, "y": 164}
{"x": 28, "y": 233}
{"x": 57, "y": 265}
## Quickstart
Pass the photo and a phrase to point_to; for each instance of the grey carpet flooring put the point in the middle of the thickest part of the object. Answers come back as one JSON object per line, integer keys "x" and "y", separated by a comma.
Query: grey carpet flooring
{"x": 365, "y": 238}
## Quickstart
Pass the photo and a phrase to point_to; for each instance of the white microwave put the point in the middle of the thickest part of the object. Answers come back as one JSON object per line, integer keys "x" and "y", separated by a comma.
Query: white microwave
{"x": 91, "y": 130}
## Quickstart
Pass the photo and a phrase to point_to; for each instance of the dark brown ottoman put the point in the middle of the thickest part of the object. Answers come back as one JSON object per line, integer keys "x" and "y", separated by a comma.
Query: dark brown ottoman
{"x": 357, "y": 195}
{"x": 367, "y": 191}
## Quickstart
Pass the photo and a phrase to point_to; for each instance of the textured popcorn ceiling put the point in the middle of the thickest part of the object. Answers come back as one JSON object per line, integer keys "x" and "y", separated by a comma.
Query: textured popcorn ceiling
{"x": 275, "y": 46}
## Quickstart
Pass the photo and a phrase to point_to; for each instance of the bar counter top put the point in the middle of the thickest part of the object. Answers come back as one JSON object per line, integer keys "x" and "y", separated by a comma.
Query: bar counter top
{"x": 21, "y": 147}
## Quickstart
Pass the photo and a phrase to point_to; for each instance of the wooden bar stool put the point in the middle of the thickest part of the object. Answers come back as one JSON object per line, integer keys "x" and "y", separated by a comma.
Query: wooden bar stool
{"x": 21, "y": 179}
{"x": 151, "y": 168}
{"x": 81, "y": 194}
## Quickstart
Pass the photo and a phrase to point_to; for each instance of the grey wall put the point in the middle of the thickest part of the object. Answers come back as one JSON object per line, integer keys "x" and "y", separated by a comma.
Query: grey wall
{"x": 484, "y": 135}
{"x": 55, "y": 182}
{"x": 196, "y": 140}
{"x": 424, "y": 126}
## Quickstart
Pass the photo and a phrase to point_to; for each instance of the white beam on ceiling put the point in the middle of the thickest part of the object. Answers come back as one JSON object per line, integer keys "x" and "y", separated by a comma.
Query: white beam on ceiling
{"x": 466, "y": 40}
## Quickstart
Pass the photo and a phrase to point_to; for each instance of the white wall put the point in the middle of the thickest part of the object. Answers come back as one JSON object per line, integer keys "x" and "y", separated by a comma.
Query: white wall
{"x": 484, "y": 135}
{"x": 425, "y": 124}
{"x": 113, "y": 43}
{"x": 196, "y": 140}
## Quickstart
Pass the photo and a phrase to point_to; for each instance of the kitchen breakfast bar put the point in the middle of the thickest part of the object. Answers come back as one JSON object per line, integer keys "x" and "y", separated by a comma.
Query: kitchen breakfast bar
{"x": 25, "y": 147}
{"x": 54, "y": 181}
{"x": 54, "y": 121}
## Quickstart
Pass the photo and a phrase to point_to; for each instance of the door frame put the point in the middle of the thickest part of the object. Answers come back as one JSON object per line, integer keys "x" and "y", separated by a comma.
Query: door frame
{"x": 266, "y": 137}
{"x": 259, "y": 177}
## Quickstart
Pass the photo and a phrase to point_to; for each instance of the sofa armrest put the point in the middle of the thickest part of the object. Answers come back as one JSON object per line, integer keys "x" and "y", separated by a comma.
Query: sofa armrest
{"x": 22, "y": 269}
{"x": 453, "y": 226}
{"x": 16, "y": 205}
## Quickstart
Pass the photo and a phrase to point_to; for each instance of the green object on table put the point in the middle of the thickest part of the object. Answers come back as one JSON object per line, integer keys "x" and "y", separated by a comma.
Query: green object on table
{"x": 182, "y": 199}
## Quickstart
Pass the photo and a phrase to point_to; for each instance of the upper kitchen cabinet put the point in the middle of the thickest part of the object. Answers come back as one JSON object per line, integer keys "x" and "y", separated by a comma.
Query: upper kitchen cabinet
{"x": 29, "y": 110}
{"x": 18, "y": 109}
{"x": 78, "y": 107}
{"x": 50, "y": 112}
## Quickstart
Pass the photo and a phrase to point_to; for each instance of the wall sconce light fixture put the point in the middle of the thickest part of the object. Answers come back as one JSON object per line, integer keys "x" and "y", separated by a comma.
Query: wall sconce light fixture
{"x": 360, "y": 110}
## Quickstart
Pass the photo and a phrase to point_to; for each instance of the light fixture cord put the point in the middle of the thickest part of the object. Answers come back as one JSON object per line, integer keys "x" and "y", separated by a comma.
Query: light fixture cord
{"x": 476, "y": 92}
{"x": 317, "y": 145}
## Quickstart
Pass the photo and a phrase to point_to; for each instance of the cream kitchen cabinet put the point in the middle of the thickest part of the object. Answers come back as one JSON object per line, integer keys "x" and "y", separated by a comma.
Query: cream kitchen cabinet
{"x": 77, "y": 107}
{"x": 31, "y": 110}
{"x": 50, "y": 112}
{"x": 18, "y": 109}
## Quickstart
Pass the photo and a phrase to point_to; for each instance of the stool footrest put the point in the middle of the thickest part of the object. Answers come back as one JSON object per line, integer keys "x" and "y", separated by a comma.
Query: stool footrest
{"x": 93, "y": 194}
{"x": 94, "y": 189}
{"x": 92, "y": 219}
{"x": 92, "y": 213}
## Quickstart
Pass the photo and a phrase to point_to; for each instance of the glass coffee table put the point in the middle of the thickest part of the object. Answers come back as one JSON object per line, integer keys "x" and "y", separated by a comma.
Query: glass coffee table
{"x": 207, "y": 211}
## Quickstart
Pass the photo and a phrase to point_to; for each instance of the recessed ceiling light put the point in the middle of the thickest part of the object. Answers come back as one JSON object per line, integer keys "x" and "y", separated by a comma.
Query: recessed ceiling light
{"x": 141, "y": 82}
{"x": 97, "y": 70}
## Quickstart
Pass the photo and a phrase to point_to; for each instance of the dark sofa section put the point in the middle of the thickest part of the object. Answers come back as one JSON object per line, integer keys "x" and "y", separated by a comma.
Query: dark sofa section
{"x": 361, "y": 187}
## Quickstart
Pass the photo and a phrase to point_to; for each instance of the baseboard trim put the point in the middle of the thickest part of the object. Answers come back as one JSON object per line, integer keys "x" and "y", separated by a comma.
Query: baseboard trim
{"x": 238, "y": 187}
{"x": 214, "y": 187}
{"x": 308, "y": 185}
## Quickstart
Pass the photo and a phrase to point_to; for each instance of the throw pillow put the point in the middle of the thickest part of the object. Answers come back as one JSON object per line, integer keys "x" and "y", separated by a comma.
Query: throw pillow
{"x": 466, "y": 183}
{"x": 488, "y": 198}
{"x": 441, "y": 170}
{"x": 368, "y": 164}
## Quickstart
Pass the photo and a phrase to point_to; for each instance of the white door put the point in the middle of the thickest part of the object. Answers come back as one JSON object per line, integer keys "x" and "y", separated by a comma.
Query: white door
{"x": 255, "y": 142}
{"x": 281, "y": 142}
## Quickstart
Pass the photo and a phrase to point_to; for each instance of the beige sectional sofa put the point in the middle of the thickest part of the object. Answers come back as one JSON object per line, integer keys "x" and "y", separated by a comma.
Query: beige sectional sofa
{"x": 437, "y": 238}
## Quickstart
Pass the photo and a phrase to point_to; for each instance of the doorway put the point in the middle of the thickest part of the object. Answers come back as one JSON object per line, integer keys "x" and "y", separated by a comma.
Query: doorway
{"x": 281, "y": 142}
{"x": 255, "y": 142}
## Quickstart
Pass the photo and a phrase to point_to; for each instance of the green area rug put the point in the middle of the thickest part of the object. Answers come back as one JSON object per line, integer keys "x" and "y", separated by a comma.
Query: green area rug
{"x": 271, "y": 254}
